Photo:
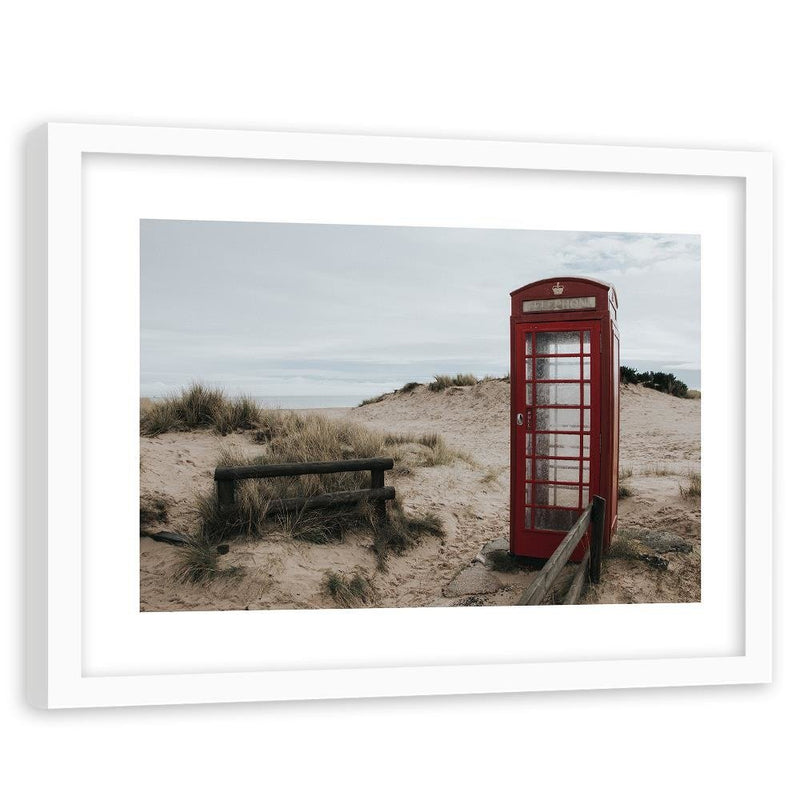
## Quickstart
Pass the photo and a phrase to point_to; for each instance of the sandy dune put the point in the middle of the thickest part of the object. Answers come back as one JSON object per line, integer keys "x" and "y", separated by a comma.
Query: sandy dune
{"x": 660, "y": 444}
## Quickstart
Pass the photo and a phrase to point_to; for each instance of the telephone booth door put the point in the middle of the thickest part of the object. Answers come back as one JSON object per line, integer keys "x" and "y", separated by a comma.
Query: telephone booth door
{"x": 555, "y": 431}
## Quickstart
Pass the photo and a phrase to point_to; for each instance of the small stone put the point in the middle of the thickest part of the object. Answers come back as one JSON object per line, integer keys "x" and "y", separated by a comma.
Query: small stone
{"x": 664, "y": 542}
{"x": 657, "y": 562}
{"x": 501, "y": 543}
{"x": 223, "y": 549}
{"x": 473, "y": 579}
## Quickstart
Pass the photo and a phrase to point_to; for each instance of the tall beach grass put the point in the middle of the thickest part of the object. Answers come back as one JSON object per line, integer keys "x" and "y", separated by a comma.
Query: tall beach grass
{"x": 196, "y": 407}
{"x": 287, "y": 437}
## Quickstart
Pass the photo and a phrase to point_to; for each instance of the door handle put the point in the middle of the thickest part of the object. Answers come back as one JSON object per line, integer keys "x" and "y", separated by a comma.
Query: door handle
{"x": 520, "y": 419}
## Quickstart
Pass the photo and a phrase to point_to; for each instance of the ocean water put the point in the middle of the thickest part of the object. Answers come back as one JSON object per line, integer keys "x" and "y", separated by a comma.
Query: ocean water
{"x": 308, "y": 401}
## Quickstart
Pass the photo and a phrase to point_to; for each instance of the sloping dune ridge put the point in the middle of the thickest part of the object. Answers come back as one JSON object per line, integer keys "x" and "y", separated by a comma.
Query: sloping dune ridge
{"x": 659, "y": 450}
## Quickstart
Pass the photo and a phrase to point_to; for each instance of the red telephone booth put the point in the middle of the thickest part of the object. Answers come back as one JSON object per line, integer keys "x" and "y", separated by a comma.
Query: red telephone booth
{"x": 564, "y": 410}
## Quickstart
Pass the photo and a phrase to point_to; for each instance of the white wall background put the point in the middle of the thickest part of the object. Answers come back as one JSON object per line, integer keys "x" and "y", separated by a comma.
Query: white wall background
{"x": 678, "y": 73}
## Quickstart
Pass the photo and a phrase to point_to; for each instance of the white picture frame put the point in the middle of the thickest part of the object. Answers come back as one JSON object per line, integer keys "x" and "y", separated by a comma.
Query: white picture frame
{"x": 79, "y": 629}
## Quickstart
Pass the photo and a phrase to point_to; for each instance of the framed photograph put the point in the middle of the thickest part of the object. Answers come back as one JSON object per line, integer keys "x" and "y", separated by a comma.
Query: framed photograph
{"x": 325, "y": 416}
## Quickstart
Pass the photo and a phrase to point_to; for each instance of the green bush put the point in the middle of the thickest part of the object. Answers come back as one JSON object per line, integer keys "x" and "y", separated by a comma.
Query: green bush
{"x": 660, "y": 381}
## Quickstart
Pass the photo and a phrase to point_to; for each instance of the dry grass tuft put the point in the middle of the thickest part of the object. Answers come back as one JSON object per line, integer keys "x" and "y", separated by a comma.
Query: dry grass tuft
{"x": 693, "y": 490}
{"x": 199, "y": 406}
{"x": 291, "y": 437}
{"x": 401, "y": 532}
{"x": 199, "y": 563}
{"x": 349, "y": 592}
{"x": 442, "y": 382}
{"x": 370, "y": 400}
{"x": 153, "y": 510}
{"x": 492, "y": 475}
{"x": 659, "y": 471}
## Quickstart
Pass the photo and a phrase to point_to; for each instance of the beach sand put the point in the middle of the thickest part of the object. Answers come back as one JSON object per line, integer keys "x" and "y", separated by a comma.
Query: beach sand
{"x": 659, "y": 445}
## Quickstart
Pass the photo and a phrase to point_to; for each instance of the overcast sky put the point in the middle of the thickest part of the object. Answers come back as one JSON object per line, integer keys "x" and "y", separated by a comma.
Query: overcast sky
{"x": 292, "y": 309}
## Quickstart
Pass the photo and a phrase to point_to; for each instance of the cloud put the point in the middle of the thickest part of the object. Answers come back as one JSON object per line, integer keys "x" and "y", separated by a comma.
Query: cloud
{"x": 291, "y": 308}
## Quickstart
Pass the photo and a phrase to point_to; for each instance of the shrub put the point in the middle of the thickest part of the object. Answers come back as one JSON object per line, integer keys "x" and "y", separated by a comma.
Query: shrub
{"x": 660, "y": 381}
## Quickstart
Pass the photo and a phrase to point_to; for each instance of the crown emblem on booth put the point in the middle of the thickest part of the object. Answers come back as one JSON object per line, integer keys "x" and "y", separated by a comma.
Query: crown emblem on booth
{"x": 558, "y": 288}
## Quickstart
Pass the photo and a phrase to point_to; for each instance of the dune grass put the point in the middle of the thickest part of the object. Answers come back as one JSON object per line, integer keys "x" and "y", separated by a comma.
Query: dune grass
{"x": 438, "y": 384}
{"x": 199, "y": 562}
{"x": 349, "y": 592}
{"x": 153, "y": 510}
{"x": 660, "y": 471}
{"x": 377, "y": 399}
{"x": 693, "y": 489}
{"x": 442, "y": 382}
{"x": 286, "y": 437}
{"x": 196, "y": 407}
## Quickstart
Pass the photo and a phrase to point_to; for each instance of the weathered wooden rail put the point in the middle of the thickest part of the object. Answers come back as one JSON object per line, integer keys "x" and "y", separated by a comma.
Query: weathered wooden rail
{"x": 594, "y": 514}
{"x": 378, "y": 493}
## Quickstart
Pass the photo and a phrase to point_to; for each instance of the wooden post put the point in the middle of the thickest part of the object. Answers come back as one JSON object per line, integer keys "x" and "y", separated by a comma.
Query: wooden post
{"x": 225, "y": 494}
{"x": 596, "y": 545}
{"x": 376, "y": 482}
{"x": 576, "y": 587}
{"x": 544, "y": 581}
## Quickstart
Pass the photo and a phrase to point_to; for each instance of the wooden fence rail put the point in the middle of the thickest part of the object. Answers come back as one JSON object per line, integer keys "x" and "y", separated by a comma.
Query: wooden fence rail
{"x": 378, "y": 493}
{"x": 594, "y": 514}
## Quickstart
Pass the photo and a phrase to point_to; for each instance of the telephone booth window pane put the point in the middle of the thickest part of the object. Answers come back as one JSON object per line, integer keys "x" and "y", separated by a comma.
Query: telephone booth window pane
{"x": 528, "y": 469}
{"x": 558, "y": 342}
{"x": 528, "y": 344}
{"x": 528, "y": 444}
{"x": 587, "y": 419}
{"x": 529, "y": 394}
{"x": 587, "y": 368}
{"x": 527, "y": 518}
{"x": 555, "y": 519}
{"x": 552, "y": 495}
{"x": 586, "y": 475}
{"x": 587, "y": 394}
{"x": 529, "y": 493}
{"x": 550, "y": 470}
{"x": 560, "y": 445}
{"x": 565, "y": 369}
{"x": 558, "y": 394}
{"x": 586, "y": 342}
{"x": 528, "y": 369}
{"x": 558, "y": 419}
